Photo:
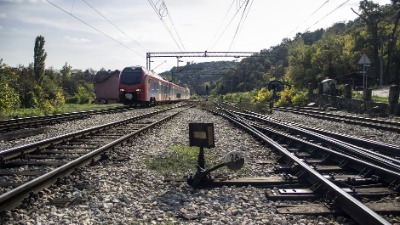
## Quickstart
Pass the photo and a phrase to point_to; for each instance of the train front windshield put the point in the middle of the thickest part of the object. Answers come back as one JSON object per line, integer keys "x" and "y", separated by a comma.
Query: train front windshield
{"x": 129, "y": 76}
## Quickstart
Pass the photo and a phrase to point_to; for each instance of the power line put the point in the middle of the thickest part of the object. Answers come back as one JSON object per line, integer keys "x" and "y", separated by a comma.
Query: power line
{"x": 87, "y": 24}
{"x": 173, "y": 26}
{"x": 226, "y": 27}
{"x": 114, "y": 25}
{"x": 161, "y": 12}
{"x": 319, "y": 8}
{"x": 240, "y": 22}
{"x": 219, "y": 27}
{"x": 338, "y": 7}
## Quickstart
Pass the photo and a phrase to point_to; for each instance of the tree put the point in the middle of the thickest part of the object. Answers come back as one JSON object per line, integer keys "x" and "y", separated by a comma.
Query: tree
{"x": 9, "y": 97}
{"x": 39, "y": 58}
{"x": 394, "y": 12}
{"x": 372, "y": 15}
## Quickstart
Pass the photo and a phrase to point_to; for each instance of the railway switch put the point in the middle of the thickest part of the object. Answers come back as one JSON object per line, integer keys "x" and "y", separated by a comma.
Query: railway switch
{"x": 202, "y": 135}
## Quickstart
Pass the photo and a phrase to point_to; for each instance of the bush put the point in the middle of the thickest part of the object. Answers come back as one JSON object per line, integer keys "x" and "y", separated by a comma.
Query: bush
{"x": 300, "y": 99}
{"x": 83, "y": 95}
{"x": 263, "y": 95}
{"x": 46, "y": 107}
{"x": 9, "y": 98}
{"x": 285, "y": 98}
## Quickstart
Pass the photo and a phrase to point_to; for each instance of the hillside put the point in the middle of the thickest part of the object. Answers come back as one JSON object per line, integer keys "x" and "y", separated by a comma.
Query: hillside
{"x": 199, "y": 75}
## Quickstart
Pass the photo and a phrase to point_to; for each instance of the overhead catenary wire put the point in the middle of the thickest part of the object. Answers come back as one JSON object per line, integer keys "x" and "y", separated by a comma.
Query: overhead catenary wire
{"x": 227, "y": 26}
{"x": 312, "y": 14}
{"x": 159, "y": 11}
{"x": 219, "y": 26}
{"x": 338, "y": 7}
{"x": 241, "y": 22}
{"x": 94, "y": 28}
{"x": 113, "y": 24}
{"x": 173, "y": 26}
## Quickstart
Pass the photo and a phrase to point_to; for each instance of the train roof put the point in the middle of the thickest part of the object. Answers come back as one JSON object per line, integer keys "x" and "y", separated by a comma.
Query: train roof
{"x": 155, "y": 75}
{"x": 146, "y": 71}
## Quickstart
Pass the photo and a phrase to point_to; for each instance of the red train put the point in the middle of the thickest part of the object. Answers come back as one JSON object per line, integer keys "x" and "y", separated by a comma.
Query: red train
{"x": 138, "y": 86}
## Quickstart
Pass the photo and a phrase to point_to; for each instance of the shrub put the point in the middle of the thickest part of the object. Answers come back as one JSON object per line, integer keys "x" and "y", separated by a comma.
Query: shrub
{"x": 285, "y": 98}
{"x": 46, "y": 107}
{"x": 83, "y": 95}
{"x": 9, "y": 98}
{"x": 300, "y": 99}
{"x": 262, "y": 96}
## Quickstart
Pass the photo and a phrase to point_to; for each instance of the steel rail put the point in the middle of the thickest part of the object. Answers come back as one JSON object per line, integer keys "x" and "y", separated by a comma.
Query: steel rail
{"x": 360, "y": 118}
{"x": 381, "y": 147}
{"x": 354, "y": 208}
{"x": 23, "y": 122}
{"x": 16, "y": 151}
{"x": 393, "y": 174}
{"x": 10, "y": 199}
{"x": 347, "y": 203}
{"x": 347, "y": 120}
{"x": 383, "y": 160}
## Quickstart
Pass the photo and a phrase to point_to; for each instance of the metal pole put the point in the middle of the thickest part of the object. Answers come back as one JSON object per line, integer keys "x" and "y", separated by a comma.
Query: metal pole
{"x": 364, "y": 82}
{"x": 148, "y": 59}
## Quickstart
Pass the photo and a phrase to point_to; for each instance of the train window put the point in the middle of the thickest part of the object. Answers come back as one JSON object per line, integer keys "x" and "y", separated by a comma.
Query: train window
{"x": 129, "y": 76}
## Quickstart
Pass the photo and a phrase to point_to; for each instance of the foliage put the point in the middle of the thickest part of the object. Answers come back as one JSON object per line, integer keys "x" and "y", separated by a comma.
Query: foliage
{"x": 313, "y": 56}
{"x": 285, "y": 98}
{"x": 46, "y": 107}
{"x": 39, "y": 58}
{"x": 199, "y": 75}
{"x": 240, "y": 97}
{"x": 9, "y": 98}
{"x": 300, "y": 99}
{"x": 84, "y": 94}
{"x": 263, "y": 95}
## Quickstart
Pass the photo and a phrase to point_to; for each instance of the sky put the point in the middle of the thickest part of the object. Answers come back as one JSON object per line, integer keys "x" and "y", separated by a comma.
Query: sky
{"x": 115, "y": 34}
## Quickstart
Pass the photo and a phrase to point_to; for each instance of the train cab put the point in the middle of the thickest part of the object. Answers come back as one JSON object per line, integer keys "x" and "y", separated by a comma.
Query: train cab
{"x": 131, "y": 85}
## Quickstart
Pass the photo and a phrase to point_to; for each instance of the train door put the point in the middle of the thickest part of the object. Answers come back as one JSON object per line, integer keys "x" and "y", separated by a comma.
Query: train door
{"x": 169, "y": 89}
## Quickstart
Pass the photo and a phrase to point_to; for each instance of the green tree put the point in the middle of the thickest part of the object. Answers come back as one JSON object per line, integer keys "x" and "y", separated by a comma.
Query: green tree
{"x": 39, "y": 59}
{"x": 67, "y": 82}
{"x": 9, "y": 97}
{"x": 372, "y": 15}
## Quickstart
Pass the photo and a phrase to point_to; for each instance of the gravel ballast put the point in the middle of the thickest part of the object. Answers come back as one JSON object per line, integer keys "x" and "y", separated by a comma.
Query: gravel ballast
{"x": 126, "y": 192}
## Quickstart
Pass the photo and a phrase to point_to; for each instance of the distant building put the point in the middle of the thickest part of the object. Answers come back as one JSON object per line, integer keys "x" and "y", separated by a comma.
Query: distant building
{"x": 106, "y": 87}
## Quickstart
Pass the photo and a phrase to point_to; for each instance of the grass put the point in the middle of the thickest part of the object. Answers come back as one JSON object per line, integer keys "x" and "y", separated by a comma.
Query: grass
{"x": 375, "y": 98}
{"x": 182, "y": 160}
{"x": 64, "y": 109}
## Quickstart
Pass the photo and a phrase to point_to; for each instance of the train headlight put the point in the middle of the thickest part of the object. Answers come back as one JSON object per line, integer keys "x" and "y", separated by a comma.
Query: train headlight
{"x": 138, "y": 90}
{"x": 121, "y": 90}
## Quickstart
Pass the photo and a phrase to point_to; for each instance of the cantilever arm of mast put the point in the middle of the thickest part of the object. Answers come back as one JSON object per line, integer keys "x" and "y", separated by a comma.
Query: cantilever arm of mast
{"x": 178, "y": 55}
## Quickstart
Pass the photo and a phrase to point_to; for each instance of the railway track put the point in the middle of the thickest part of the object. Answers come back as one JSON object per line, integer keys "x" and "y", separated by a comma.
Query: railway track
{"x": 29, "y": 168}
{"x": 388, "y": 125}
{"x": 350, "y": 175}
{"x": 21, "y": 127}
